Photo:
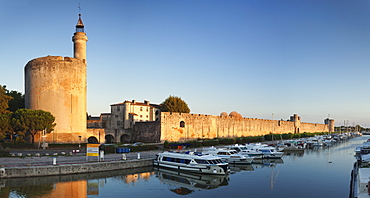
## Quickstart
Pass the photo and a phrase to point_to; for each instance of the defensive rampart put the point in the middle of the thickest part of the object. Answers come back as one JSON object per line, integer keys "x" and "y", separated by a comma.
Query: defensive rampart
{"x": 185, "y": 126}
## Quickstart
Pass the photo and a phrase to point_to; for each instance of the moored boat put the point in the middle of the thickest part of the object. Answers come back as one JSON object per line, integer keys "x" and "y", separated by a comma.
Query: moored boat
{"x": 242, "y": 149}
{"x": 192, "y": 162}
{"x": 228, "y": 155}
{"x": 360, "y": 178}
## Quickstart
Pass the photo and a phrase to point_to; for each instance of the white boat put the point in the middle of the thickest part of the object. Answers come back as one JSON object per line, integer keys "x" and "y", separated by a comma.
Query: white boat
{"x": 244, "y": 150}
{"x": 192, "y": 162}
{"x": 228, "y": 155}
{"x": 360, "y": 177}
{"x": 363, "y": 149}
{"x": 269, "y": 152}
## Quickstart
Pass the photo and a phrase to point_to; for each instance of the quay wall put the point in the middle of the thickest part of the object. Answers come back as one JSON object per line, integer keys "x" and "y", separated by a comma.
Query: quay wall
{"x": 185, "y": 126}
{"x": 65, "y": 169}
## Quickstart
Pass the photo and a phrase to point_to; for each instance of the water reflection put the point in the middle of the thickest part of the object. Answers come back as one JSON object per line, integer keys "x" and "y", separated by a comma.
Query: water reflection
{"x": 298, "y": 153}
{"x": 183, "y": 183}
{"x": 278, "y": 178}
{"x": 268, "y": 162}
{"x": 71, "y": 186}
{"x": 241, "y": 167}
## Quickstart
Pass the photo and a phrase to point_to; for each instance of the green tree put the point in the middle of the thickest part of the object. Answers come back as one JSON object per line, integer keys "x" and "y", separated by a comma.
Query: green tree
{"x": 17, "y": 102}
{"x": 5, "y": 126}
{"x": 4, "y": 100}
{"x": 31, "y": 122}
{"x": 174, "y": 104}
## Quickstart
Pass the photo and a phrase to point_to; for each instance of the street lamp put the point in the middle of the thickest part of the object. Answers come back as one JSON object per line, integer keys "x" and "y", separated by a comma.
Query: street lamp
{"x": 79, "y": 143}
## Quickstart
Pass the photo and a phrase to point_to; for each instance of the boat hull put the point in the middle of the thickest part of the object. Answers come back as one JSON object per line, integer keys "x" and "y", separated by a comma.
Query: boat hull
{"x": 206, "y": 169}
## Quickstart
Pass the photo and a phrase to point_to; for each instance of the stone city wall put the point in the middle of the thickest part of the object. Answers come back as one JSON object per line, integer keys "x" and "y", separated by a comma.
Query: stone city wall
{"x": 185, "y": 126}
{"x": 148, "y": 132}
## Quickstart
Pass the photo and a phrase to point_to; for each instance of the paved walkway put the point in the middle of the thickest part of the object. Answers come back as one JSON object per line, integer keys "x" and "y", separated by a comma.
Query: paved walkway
{"x": 65, "y": 159}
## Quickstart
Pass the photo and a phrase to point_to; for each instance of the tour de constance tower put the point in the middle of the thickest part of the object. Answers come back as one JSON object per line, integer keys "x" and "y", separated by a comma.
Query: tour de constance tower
{"x": 58, "y": 85}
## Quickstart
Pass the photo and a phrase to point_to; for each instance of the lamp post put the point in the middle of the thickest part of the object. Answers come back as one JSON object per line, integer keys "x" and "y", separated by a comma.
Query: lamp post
{"x": 79, "y": 143}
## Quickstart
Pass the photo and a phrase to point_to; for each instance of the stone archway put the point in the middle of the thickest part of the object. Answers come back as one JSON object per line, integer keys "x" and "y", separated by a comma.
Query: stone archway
{"x": 109, "y": 139}
{"x": 125, "y": 138}
{"x": 92, "y": 140}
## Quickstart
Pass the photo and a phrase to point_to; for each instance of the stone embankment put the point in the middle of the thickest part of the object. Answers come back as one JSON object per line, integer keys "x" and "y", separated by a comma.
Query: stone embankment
{"x": 14, "y": 167}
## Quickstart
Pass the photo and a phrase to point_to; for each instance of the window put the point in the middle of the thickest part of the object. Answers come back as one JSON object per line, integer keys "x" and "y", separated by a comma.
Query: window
{"x": 182, "y": 124}
{"x": 116, "y": 116}
{"x": 200, "y": 161}
{"x": 141, "y": 108}
{"x": 147, "y": 116}
{"x": 147, "y": 109}
{"x": 118, "y": 109}
{"x": 141, "y": 116}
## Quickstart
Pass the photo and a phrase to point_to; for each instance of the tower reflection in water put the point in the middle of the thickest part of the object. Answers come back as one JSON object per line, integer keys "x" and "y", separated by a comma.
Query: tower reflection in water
{"x": 71, "y": 186}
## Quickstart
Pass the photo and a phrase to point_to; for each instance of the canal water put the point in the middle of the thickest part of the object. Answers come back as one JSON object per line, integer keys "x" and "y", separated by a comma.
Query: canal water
{"x": 320, "y": 172}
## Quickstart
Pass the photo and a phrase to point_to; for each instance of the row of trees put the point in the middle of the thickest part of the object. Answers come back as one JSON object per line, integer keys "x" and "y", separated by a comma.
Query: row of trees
{"x": 18, "y": 123}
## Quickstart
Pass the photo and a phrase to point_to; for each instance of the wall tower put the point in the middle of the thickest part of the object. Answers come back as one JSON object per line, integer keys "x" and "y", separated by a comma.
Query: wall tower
{"x": 58, "y": 85}
{"x": 79, "y": 41}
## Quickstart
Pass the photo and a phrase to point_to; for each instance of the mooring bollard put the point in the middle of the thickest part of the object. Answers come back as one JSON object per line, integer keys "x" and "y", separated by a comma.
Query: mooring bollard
{"x": 138, "y": 155}
{"x": 123, "y": 157}
{"x": 54, "y": 161}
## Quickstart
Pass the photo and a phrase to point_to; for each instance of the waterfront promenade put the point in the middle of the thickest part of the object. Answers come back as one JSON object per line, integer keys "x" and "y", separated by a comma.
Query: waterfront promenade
{"x": 77, "y": 158}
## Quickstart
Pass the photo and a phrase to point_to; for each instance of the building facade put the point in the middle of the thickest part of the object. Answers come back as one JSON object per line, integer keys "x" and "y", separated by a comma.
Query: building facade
{"x": 119, "y": 124}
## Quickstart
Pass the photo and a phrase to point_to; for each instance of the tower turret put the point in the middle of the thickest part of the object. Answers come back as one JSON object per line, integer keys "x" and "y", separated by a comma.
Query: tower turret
{"x": 79, "y": 39}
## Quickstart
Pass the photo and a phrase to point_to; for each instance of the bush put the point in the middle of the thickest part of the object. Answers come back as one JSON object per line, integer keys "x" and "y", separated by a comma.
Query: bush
{"x": 83, "y": 145}
{"x": 166, "y": 144}
{"x": 108, "y": 148}
{"x": 18, "y": 145}
{"x": 142, "y": 148}
{"x": 4, "y": 153}
{"x": 213, "y": 142}
{"x": 287, "y": 136}
{"x": 227, "y": 141}
{"x": 195, "y": 144}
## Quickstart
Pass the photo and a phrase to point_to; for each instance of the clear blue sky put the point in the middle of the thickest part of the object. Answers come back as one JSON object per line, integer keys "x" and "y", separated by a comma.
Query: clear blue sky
{"x": 256, "y": 57}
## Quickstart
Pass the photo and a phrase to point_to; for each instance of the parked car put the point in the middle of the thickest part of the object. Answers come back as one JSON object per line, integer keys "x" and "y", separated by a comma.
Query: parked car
{"x": 138, "y": 144}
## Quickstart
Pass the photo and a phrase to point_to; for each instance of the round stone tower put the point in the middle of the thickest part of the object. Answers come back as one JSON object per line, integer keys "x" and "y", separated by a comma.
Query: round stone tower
{"x": 79, "y": 40}
{"x": 58, "y": 85}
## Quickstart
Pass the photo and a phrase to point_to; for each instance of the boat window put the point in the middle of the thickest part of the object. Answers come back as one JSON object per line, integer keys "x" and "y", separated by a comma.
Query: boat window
{"x": 187, "y": 161}
{"x": 200, "y": 161}
{"x": 167, "y": 159}
{"x": 212, "y": 161}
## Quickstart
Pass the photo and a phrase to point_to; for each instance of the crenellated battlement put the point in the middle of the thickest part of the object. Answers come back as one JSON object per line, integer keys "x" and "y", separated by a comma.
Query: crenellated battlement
{"x": 185, "y": 126}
